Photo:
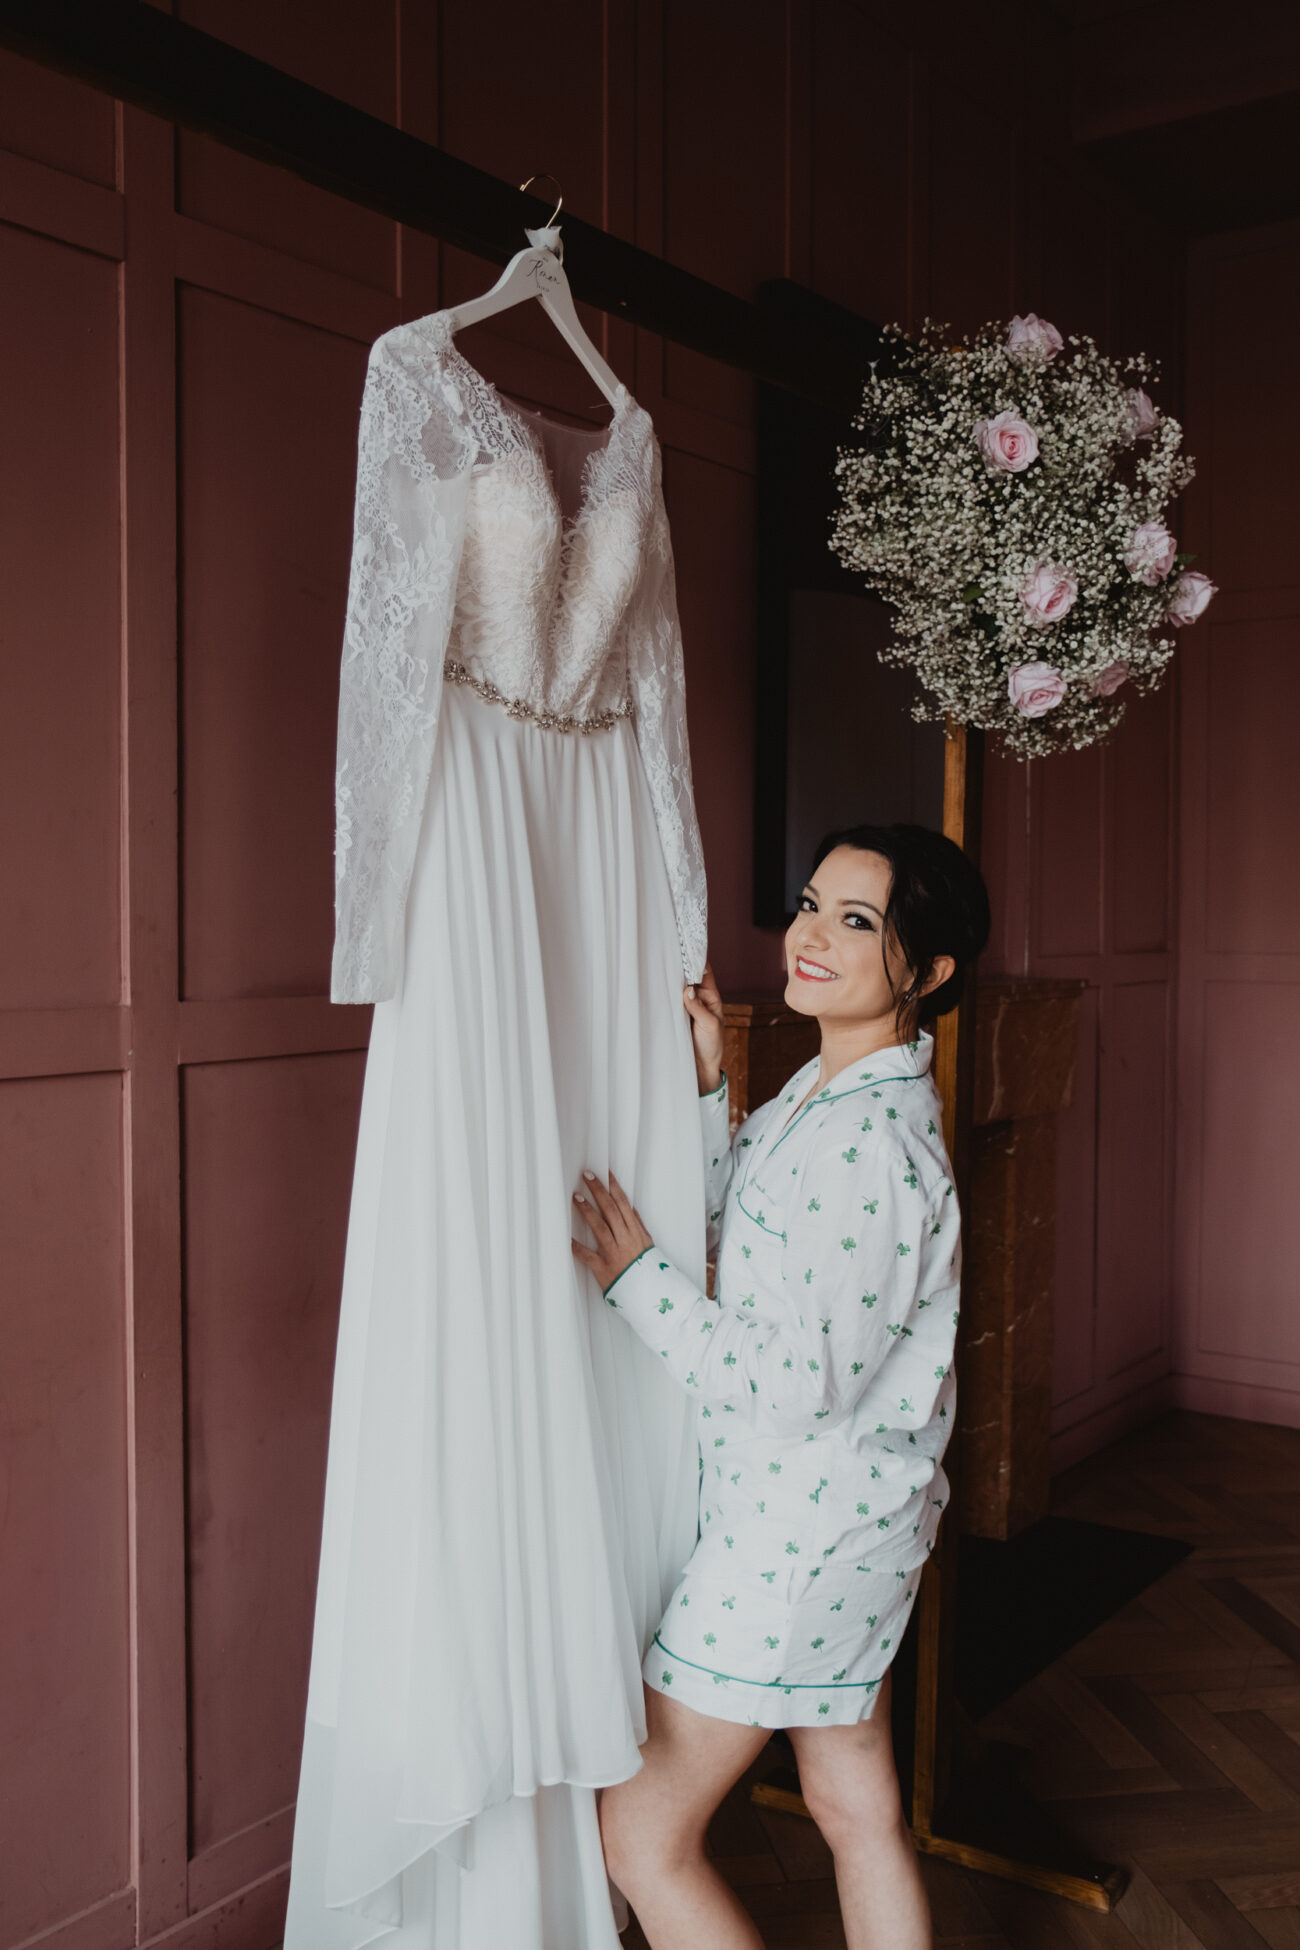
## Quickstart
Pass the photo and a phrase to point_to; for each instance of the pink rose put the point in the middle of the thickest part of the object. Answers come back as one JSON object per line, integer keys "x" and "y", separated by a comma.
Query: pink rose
{"x": 1031, "y": 340}
{"x": 1048, "y": 593}
{"x": 1007, "y": 443}
{"x": 1189, "y": 597}
{"x": 1035, "y": 689}
{"x": 1150, "y": 555}
{"x": 1142, "y": 415}
{"x": 1108, "y": 681}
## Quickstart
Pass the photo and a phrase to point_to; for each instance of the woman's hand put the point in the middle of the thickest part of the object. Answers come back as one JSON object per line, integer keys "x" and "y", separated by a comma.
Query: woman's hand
{"x": 616, "y": 1226}
{"x": 703, "y": 1005}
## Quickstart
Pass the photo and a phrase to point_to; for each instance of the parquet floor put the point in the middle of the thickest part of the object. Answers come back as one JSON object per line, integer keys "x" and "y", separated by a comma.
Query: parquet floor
{"x": 1168, "y": 1740}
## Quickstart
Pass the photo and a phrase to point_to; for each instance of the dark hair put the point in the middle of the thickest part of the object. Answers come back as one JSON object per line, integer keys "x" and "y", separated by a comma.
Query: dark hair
{"x": 938, "y": 905}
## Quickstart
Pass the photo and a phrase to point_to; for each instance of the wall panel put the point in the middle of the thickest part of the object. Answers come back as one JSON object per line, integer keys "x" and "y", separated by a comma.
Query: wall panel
{"x": 55, "y": 121}
{"x": 60, "y": 673}
{"x": 1239, "y": 940}
{"x": 861, "y": 211}
{"x": 267, "y": 436}
{"x": 1141, "y": 784}
{"x": 1132, "y": 1218}
{"x": 268, "y": 1146}
{"x": 65, "y": 1808}
{"x": 349, "y": 52}
{"x": 1247, "y": 1172}
{"x": 1253, "y": 787}
{"x": 1074, "y": 1283}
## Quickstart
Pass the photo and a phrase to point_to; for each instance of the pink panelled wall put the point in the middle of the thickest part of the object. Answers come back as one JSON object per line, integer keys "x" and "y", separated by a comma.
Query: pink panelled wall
{"x": 1238, "y": 1325}
{"x": 184, "y": 335}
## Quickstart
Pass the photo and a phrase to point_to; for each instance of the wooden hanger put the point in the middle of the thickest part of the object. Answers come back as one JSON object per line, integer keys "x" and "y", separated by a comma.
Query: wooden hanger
{"x": 538, "y": 272}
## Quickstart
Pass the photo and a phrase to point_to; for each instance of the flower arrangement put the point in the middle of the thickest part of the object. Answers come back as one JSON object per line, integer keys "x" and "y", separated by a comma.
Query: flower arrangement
{"x": 1009, "y": 501}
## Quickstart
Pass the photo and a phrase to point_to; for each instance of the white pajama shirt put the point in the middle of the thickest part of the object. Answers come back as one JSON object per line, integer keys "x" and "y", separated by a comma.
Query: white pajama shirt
{"x": 823, "y": 1375}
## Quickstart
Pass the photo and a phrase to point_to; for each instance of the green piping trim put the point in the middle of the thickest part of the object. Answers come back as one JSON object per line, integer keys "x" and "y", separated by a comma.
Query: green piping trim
{"x": 627, "y": 1269}
{"x": 772, "y": 1685}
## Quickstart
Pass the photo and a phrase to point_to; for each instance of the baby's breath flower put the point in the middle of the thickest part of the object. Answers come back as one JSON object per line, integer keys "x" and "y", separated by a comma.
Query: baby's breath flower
{"x": 952, "y": 528}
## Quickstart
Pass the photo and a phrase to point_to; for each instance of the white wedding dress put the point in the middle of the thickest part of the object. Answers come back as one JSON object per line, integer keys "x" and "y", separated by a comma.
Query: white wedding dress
{"x": 512, "y": 1480}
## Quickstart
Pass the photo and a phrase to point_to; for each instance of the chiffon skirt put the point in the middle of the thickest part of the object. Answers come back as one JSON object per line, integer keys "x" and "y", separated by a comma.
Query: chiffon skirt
{"x": 512, "y": 1482}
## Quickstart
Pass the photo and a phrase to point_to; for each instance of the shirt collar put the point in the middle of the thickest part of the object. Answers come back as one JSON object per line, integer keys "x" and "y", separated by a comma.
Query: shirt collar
{"x": 901, "y": 1063}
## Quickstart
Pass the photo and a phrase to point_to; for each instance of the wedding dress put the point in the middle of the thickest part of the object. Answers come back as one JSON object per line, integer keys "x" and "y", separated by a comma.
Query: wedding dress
{"x": 512, "y": 1481}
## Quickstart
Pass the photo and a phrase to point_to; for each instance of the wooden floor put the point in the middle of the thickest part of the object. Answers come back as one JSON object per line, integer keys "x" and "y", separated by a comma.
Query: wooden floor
{"x": 1169, "y": 1740}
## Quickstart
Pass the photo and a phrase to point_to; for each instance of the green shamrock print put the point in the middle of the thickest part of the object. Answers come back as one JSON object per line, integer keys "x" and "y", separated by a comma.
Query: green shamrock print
{"x": 728, "y": 1359}
{"x": 665, "y": 1306}
{"x": 826, "y": 1324}
{"x": 930, "y": 1127}
{"x": 903, "y": 1250}
{"x": 871, "y": 1205}
{"x": 728, "y": 1604}
{"x": 867, "y": 1124}
{"x": 792, "y": 1549}
{"x": 825, "y": 1706}
{"x": 666, "y": 1678}
{"x": 686, "y": 1599}
{"x": 817, "y": 1644}
{"x": 849, "y": 1245}
{"x": 747, "y": 1251}
{"x": 710, "y": 1638}
{"x": 774, "y": 1469}
{"x": 875, "y": 1467}
{"x": 814, "y": 1204}
{"x": 814, "y": 1367}
{"x": 730, "y": 1542}
{"x": 857, "y": 1367}
{"x": 663, "y": 1266}
{"x": 838, "y": 1605}
{"x": 815, "y": 1496}
{"x": 869, "y": 1299}
{"x": 850, "y": 1156}
{"x": 767, "y": 1576}
{"x": 864, "y": 1509}
{"x": 807, "y": 1278}
{"x": 892, "y": 1115}
{"x": 837, "y": 1676}
{"x": 871, "y": 1622}
{"x": 771, "y": 1643}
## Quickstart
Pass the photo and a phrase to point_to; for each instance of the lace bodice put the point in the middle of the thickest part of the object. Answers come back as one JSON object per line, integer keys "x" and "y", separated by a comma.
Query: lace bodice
{"x": 467, "y": 567}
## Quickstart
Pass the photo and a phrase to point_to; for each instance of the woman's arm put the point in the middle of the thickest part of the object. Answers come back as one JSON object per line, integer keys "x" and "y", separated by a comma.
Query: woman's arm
{"x": 800, "y": 1356}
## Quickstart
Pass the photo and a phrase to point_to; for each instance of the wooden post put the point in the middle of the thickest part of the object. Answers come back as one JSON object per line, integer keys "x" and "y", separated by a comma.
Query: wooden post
{"x": 954, "y": 1067}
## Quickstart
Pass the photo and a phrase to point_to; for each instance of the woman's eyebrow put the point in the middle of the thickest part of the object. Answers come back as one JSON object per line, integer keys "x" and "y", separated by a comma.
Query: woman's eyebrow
{"x": 851, "y": 900}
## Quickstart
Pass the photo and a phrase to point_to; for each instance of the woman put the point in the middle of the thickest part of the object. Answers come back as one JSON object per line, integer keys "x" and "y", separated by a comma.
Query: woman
{"x": 822, "y": 1374}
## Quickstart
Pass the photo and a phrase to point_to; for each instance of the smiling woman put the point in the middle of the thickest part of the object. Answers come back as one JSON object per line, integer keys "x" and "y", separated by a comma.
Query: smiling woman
{"x": 822, "y": 1378}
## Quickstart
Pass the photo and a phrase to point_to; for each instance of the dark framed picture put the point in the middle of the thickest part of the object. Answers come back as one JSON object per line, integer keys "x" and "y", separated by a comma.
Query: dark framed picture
{"x": 836, "y": 742}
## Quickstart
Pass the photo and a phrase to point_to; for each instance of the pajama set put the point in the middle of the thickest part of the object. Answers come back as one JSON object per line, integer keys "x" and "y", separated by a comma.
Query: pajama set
{"x": 822, "y": 1374}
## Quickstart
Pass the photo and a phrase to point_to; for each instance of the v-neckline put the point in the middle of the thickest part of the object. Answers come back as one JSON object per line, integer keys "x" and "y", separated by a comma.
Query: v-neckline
{"x": 519, "y": 420}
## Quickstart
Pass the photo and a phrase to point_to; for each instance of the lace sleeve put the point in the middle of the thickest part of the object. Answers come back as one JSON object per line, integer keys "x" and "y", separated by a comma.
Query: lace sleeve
{"x": 659, "y": 692}
{"x": 412, "y": 480}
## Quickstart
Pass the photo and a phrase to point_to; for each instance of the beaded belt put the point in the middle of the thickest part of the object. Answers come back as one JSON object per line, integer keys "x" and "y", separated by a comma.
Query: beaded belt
{"x": 515, "y": 707}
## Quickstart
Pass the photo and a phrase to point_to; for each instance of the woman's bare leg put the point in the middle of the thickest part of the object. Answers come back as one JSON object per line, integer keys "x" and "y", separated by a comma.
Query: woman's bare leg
{"x": 653, "y": 1828}
{"x": 850, "y": 1785}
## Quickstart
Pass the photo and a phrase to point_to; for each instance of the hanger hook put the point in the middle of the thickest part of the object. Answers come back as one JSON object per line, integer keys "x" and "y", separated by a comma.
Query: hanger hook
{"x": 544, "y": 176}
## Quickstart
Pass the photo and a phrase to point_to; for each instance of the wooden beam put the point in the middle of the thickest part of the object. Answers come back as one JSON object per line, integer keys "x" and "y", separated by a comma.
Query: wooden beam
{"x": 145, "y": 57}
